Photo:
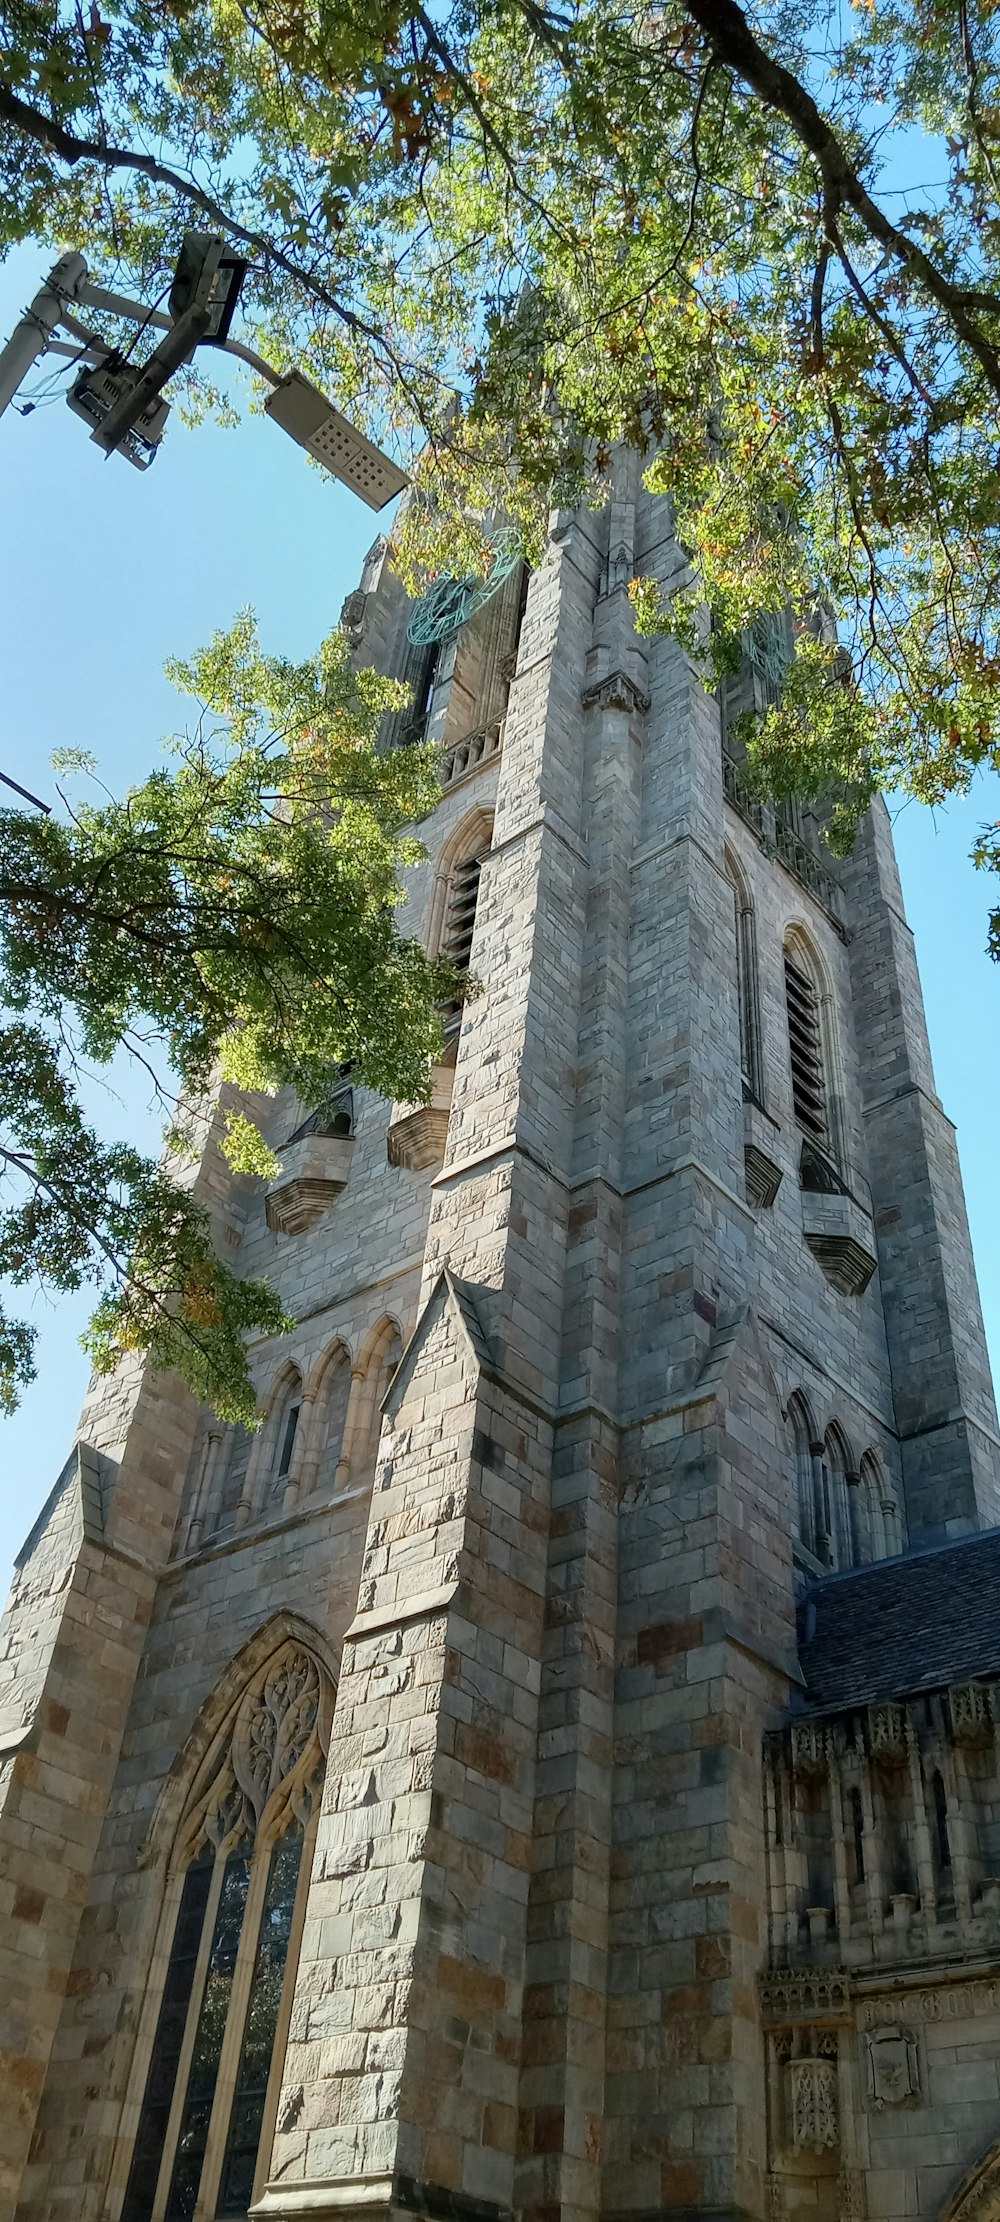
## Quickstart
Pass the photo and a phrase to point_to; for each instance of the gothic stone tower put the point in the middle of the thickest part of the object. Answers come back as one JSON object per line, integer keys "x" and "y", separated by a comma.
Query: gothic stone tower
{"x": 427, "y": 1809}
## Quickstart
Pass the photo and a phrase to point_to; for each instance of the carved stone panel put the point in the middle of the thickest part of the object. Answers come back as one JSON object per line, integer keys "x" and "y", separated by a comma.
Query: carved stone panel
{"x": 809, "y": 1747}
{"x": 812, "y": 2104}
{"x": 971, "y": 1718}
{"x": 893, "y": 2066}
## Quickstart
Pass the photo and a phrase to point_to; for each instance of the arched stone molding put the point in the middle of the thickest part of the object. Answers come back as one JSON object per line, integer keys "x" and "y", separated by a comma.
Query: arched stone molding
{"x": 800, "y": 1419}
{"x": 199, "y": 1753}
{"x": 376, "y": 1365}
{"x": 326, "y": 1403}
{"x": 474, "y": 832}
{"x": 250, "y": 1772}
{"x": 882, "y": 1500}
{"x": 840, "y": 1480}
{"x": 264, "y": 1487}
{"x": 978, "y": 2198}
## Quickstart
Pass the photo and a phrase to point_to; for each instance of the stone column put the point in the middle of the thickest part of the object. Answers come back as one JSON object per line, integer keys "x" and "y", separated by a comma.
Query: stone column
{"x": 942, "y": 1389}
{"x": 401, "y": 2078}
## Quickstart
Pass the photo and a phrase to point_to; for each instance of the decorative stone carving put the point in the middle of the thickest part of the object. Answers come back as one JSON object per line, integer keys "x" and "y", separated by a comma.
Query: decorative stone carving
{"x": 851, "y": 2196}
{"x": 887, "y": 1732}
{"x": 418, "y": 1131}
{"x": 812, "y": 2104}
{"x": 978, "y": 2198}
{"x": 272, "y": 1755}
{"x": 841, "y": 1238}
{"x": 467, "y": 754}
{"x": 809, "y": 1747}
{"x": 893, "y": 2066}
{"x": 971, "y": 1717}
{"x": 352, "y": 615}
{"x": 795, "y": 1994}
{"x": 616, "y": 691}
{"x": 313, "y": 1172}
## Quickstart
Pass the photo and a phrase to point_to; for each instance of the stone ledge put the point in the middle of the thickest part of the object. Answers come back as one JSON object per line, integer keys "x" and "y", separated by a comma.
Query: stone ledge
{"x": 418, "y": 1132}
{"x": 408, "y": 1608}
{"x": 390, "y": 2197}
{"x": 313, "y": 1172}
{"x": 841, "y": 1238}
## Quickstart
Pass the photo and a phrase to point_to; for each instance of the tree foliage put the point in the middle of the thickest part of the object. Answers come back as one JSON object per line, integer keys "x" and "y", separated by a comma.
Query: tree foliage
{"x": 764, "y": 245}
{"x": 234, "y": 915}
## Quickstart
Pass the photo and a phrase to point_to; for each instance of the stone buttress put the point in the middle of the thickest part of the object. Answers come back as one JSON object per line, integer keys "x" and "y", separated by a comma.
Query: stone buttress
{"x": 662, "y": 1310}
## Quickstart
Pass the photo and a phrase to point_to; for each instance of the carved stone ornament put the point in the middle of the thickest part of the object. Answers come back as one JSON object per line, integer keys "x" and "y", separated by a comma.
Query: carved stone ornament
{"x": 887, "y": 1732}
{"x": 352, "y": 615}
{"x": 812, "y": 2105}
{"x": 971, "y": 1718}
{"x": 616, "y": 691}
{"x": 271, "y": 1757}
{"x": 978, "y": 2198}
{"x": 809, "y": 1747}
{"x": 893, "y": 2066}
{"x": 850, "y": 2196}
{"x": 796, "y": 1994}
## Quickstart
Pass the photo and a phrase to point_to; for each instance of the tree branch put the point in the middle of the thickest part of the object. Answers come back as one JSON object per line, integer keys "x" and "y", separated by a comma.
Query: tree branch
{"x": 731, "y": 39}
{"x": 69, "y": 149}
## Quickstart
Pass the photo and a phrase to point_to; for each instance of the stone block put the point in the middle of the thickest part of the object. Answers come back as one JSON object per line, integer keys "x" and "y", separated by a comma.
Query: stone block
{"x": 842, "y": 1240}
{"x": 314, "y": 1170}
{"x": 418, "y": 1132}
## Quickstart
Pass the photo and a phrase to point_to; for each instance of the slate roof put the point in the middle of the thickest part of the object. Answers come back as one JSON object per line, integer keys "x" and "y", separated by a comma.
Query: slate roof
{"x": 914, "y": 1623}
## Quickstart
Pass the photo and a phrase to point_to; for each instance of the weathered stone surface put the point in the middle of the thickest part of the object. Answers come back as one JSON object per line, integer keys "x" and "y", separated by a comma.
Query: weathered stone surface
{"x": 596, "y": 1920}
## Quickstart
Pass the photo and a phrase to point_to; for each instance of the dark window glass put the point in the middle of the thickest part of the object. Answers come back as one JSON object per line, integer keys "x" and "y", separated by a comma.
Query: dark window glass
{"x": 858, "y": 1834}
{"x": 941, "y": 1821}
{"x": 162, "y": 2076}
{"x": 258, "y": 2037}
{"x": 193, "y": 2133}
{"x": 288, "y": 1441}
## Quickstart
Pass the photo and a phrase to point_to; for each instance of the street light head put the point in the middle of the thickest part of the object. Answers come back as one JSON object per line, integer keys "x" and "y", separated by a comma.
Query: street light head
{"x": 208, "y": 276}
{"x": 311, "y": 419}
{"x": 98, "y": 391}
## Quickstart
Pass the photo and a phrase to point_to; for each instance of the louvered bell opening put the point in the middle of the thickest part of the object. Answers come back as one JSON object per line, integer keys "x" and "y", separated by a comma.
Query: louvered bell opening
{"x": 808, "y": 1093}
{"x": 462, "y": 912}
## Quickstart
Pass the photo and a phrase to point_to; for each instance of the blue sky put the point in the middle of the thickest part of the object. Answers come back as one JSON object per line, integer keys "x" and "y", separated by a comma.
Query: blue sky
{"x": 106, "y": 571}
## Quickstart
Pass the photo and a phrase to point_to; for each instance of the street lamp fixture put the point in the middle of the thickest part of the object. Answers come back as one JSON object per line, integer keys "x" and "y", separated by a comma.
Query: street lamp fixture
{"x": 123, "y": 401}
{"x": 312, "y": 420}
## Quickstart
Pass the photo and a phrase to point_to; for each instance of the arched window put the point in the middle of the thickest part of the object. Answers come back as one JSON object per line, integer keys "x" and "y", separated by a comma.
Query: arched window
{"x": 453, "y": 917}
{"x": 378, "y": 1364}
{"x": 839, "y": 1546}
{"x": 235, "y": 1463}
{"x": 751, "y": 1063}
{"x": 803, "y": 1434}
{"x": 330, "y": 1420}
{"x": 811, "y": 1093}
{"x": 234, "y": 1907}
{"x": 281, "y": 1435}
{"x": 882, "y": 1510}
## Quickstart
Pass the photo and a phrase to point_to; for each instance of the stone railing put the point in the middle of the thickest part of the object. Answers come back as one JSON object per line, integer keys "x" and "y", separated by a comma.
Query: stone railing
{"x": 468, "y": 754}
{"x": 808, "y": 868}
{"x": 740, "y": 793}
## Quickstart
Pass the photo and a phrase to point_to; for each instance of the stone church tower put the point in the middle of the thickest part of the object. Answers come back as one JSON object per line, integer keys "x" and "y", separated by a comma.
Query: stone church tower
{"x": 552, "y": 1771}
